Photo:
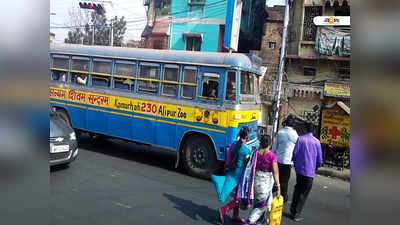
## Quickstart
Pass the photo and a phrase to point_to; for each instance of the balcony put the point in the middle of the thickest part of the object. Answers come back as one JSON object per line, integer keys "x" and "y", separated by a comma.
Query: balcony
{"x": 268, "y": 91}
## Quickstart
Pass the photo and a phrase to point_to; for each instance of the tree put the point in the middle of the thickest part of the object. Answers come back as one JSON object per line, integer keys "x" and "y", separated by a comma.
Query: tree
{"x": 101, "y": 27}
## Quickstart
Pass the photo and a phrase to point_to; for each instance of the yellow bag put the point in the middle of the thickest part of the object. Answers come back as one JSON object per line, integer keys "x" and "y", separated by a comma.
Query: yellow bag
{"x": 275, "y": 215}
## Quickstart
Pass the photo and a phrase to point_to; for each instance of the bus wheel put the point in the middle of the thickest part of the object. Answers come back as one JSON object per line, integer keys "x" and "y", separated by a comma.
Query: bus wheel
{"x": 64, "y": 116}
{"x": 199, "y": 158}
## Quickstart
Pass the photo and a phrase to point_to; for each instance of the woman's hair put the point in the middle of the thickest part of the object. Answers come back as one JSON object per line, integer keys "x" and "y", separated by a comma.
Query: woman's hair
{"x": 265, "y": 141}
{"x": 243, "y": 134}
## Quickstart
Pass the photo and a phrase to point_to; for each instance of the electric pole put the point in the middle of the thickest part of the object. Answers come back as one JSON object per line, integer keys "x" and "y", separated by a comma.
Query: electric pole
{"x": 112, "y": 34}
{"x": 93, "y": 34}
{"x": 281, "y": 64}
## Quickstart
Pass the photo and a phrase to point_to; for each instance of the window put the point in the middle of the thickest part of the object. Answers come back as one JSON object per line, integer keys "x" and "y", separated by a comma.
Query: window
{"x": 62, "y": 64}
{"x": 171, "y": 73}
{"x": 101, "y": 66}
{"x": 196, "y": 2}
{"x": 231, "y": 86}
{"x": 149, "y": 72}
{"x": 78, "y": 65}
{"x": 157, "y": 44}
{"x": 309, "y": 71}
{"x": 193, "y": 43}
{"x": 210, "y": 85}
{"x": 189, "y": 77}
{"x": 309, "y": 28}
{"x": 246, "y": 83}
{"x": 123, "y": 70}
{"x": 271, "y": 44}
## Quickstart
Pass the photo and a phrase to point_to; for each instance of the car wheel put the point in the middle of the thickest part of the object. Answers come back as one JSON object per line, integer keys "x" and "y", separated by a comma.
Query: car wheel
{"x": 199, "y": 158}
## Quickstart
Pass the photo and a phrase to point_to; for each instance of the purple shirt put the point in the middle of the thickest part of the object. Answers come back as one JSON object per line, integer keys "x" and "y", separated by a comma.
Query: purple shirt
{"x": 307, "y": 155}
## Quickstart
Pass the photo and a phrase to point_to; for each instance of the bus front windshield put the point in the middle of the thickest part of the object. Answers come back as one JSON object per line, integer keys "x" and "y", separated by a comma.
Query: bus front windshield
{"x": 246, "y": 86}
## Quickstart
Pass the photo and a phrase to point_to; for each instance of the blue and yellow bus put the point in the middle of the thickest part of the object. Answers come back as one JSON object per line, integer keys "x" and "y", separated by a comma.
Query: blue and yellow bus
{"x": 193, "y": 103}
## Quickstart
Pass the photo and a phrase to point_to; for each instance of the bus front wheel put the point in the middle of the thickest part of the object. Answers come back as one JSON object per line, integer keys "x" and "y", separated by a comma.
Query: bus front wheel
{"x": 199, "y": 158}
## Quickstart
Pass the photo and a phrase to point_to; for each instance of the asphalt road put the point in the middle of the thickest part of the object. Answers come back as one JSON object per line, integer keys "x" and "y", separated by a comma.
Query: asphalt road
{"x": 123, "y": 183}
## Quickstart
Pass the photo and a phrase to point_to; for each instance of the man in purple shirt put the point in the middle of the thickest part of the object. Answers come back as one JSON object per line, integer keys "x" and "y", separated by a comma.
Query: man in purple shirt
{"x": 307, "y": 157}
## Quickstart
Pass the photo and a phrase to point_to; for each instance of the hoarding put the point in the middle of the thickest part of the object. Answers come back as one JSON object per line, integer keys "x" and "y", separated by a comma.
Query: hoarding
{"x": 334, "y": 89}
{"x": 232, "y": 24}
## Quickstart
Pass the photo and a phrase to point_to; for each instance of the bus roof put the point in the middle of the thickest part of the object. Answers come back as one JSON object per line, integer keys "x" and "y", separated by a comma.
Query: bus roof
{"x": 239, "y": 60}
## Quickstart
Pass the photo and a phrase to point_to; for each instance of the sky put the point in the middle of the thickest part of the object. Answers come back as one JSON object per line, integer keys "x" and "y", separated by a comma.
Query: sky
{"x": 133, "y": 11}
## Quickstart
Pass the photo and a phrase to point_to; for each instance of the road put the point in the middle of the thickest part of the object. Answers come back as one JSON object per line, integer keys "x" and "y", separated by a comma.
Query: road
{"x": 123, "y": 183}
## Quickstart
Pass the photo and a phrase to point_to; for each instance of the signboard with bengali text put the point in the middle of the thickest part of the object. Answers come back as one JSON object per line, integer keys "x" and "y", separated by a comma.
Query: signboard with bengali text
{"x": 335, "y": 127}
{"x": 334, "y": 89}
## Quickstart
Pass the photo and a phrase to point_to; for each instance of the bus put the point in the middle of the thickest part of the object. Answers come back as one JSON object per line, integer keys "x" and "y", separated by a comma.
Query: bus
{"x": 192, "y": 103}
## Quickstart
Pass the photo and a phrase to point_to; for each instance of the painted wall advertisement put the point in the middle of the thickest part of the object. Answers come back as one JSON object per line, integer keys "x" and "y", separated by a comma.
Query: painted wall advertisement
{"x": 335, "y": 127}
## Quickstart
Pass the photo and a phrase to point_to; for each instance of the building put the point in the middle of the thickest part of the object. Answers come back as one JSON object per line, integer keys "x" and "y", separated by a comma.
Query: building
{"x": 318, "y": 58}
{"x": 270, "y": 54}
{"x": 199, "y": 25}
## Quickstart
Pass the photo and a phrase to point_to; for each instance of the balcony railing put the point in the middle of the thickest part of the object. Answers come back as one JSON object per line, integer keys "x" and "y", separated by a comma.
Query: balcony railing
{"x": 269, "y": 89}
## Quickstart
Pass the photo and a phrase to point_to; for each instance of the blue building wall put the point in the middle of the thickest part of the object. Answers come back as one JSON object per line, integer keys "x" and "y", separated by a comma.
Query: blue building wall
{"x": 180, "y": 9}
{"x": 211, "y": 9}
{"x": 209, "y": 35}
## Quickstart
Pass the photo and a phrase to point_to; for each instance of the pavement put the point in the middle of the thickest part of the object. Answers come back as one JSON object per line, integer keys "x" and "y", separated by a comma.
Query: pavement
{"x": 333, "y": 172}
{"x": 124, "y": 183}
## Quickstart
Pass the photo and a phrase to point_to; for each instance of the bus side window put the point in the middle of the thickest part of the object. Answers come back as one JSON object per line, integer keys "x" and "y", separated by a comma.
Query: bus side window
{"x": 149, "y": 77}
{"x": 124, "y": 70}
{"x": 80, "y": 68}
{"x": 231, "y": 86}
{"x": 171, "y": 73}
{"x": 59, "y": 63}
{"x": 103, "y": 67}
{"x": 210, "y": 85}
{"x": 190, "y": 82}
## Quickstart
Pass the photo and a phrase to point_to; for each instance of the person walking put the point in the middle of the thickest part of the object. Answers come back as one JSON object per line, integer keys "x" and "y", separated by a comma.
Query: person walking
{"x": 266, "y": 173}
{"x": 234, "y": 167}
{"x": 283, "y": 146}
{"x": 307, "y": 158}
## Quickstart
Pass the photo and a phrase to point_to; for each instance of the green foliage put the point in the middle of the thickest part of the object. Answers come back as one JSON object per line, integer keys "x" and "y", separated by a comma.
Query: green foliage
{"x": 101, "y": 31}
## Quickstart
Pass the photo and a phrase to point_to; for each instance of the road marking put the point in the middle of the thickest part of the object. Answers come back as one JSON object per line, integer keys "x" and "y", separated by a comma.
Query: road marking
{"x": 123, "y": 205}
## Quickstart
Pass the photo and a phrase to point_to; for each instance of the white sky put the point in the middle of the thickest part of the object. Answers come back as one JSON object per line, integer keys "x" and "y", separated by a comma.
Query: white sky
{"x": 133, "y": 11}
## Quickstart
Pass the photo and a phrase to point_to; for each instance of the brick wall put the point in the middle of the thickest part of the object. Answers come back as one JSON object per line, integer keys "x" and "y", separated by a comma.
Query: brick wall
{"x": 150, "y": 41}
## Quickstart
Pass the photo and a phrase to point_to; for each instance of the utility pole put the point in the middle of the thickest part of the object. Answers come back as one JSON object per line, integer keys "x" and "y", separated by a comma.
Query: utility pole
{"x": 93, "y": 34}
{"x": 112, "y": 34}
{"x": 281, "y": 64}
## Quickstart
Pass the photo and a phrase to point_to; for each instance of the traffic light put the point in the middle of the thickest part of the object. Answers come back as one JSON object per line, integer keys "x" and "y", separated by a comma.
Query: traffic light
{"x": 97, "y": 7}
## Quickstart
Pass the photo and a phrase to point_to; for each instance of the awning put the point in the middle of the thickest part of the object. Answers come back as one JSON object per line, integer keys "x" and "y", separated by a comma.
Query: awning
{"x": 341, "y": 105}
{"x": 185, "y": 35}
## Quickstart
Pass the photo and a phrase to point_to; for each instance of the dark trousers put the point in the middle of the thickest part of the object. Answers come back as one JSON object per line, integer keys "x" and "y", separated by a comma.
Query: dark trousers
{"x": 300, "y": 194}
{"x": 284, "y": 176}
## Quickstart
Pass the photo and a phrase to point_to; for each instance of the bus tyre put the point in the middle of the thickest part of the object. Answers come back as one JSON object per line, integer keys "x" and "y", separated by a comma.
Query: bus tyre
{"x": 199, "y": 158}
{"x": 64, "y": 116}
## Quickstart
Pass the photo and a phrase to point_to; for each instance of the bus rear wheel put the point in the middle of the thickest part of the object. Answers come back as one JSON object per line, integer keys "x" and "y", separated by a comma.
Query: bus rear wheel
{"x": 199, "y": 158}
